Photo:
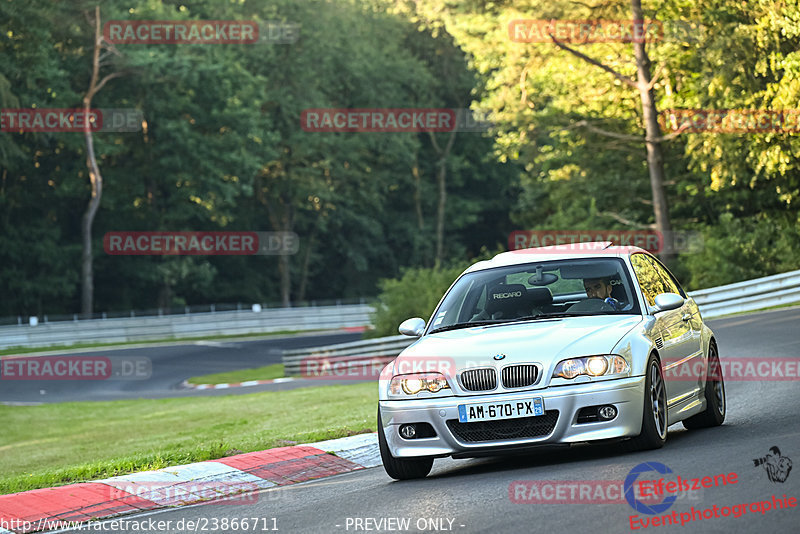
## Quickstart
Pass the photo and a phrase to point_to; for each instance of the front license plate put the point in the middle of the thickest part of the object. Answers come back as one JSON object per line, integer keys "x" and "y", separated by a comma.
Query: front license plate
{"x": 492, "y": 411}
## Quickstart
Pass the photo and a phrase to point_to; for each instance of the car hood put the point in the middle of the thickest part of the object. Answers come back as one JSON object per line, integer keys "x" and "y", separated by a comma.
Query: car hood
{"x": 546, "y": 341}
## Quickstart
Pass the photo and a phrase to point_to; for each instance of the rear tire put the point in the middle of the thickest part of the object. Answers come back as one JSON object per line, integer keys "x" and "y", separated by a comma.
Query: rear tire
{"x": 653, "y": 434}
{"x": 401, "y": 468}
{"x": 716, "y": 404}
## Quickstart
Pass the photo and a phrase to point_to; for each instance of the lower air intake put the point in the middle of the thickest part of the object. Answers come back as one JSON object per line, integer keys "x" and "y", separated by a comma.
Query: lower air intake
{"x": 520, "y": 428}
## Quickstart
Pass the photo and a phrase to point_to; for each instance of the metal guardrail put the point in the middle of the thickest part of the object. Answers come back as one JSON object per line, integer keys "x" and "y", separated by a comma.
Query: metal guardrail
{"x": 181, "y": 310}
{"x": 356, "y": 353}
{"x": 714, "y": 302}
{"x": 185, "y": 326}
{"x": 749, "y": 295}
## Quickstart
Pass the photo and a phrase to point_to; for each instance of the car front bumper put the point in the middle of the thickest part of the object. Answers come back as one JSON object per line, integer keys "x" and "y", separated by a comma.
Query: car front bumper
{"x": 626, "y": 394}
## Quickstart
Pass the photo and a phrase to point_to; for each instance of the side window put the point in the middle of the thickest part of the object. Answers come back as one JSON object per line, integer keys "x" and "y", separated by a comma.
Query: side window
{"x": 666, "y": 276}
{"x": 649, "y": 279}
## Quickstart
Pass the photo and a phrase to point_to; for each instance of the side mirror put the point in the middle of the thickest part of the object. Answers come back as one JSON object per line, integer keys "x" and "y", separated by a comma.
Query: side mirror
{"x": 412, "y": 327}
{"x": 668, "y": 301}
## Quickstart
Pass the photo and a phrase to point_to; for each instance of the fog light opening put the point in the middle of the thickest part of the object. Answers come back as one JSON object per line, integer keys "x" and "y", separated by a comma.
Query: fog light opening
{"x": 607, "y": 413}
{"x": 408, "y": 431}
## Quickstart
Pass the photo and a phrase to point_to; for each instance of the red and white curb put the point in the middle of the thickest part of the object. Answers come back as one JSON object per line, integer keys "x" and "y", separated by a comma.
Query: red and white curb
{"x": 245, "y": 384}
{"x": 361, "y": 449}
{"x": 226, "y": 480}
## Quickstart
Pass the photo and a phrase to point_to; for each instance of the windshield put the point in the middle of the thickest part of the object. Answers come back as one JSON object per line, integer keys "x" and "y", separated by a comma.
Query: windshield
{"x": 538, "y": 291}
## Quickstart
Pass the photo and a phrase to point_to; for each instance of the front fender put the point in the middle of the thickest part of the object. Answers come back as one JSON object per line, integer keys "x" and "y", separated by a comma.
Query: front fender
{"x": 637, "y": 345}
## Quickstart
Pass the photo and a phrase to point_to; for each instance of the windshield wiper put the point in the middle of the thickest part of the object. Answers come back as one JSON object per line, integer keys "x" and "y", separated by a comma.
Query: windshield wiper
{"x": 468, "y": 325}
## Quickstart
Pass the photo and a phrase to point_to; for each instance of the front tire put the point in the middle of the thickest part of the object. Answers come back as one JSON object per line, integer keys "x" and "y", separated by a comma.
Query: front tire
{"x": 716, "y": 405}
{"x": 653, "y": 434}
{"x": 401, "y": 468}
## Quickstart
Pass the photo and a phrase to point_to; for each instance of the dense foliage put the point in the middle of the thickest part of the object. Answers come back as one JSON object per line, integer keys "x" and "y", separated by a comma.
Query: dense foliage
{"x": 414, "y": 294}
{"x": 222, "y": 147}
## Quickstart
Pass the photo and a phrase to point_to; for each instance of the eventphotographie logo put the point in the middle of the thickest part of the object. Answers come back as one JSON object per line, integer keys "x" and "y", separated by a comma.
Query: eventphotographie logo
{"x": 637, "y": 503}
{"x": 777, "y": 466}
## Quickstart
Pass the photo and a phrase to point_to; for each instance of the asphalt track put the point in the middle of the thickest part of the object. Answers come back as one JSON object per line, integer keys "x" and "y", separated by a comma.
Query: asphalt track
{"x": 472, "y": 496}
{"x": 169, "y": 365}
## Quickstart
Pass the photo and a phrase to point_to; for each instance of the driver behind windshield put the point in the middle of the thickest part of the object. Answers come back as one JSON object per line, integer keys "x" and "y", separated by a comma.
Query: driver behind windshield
{"x": 600, "y": 288}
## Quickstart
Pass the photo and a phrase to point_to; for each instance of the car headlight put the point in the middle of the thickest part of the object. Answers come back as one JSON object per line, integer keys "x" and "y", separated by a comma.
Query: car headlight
{"x": 602, "y": 365}
{"x": 412, "y": 384}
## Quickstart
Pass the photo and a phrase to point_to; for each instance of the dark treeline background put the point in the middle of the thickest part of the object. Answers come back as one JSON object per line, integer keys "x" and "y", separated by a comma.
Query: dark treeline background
{"x": 222, "y": 147}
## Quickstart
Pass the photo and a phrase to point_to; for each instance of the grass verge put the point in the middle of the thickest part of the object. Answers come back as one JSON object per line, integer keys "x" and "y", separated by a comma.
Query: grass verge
{"x": 54, "y": 444}
{"x": 268, "y": 372}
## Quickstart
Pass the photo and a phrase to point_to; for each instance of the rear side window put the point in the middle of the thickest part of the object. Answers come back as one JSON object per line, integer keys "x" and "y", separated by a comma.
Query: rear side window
{"x": 650, "y": 281}
{"x": 667, "y": 277}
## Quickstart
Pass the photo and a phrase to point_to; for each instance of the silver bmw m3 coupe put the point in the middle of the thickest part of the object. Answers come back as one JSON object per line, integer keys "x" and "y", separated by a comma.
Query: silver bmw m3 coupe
{"x": 552, "y": 345}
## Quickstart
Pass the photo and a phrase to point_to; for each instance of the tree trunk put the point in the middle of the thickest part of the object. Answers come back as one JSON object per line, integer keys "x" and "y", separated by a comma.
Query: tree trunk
{"x": 286, "y": 280}
{"x": 441, "y": 180}
{"x": 281, "y": 218}
{"x": 655, "y": 158}
{"x": 95, "y": 179}
{"x": 653, "y": 137}
{"x": 301, "y": 291}
{"x": 418, "y": 195}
